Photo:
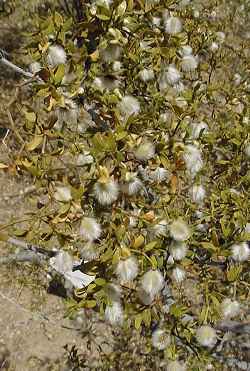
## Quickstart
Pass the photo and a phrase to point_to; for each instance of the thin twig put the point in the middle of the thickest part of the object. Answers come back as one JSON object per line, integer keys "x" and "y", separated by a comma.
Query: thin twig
{"x": 14, "y": 127}
{"x": 20, "y": 257}
{"x": 15, "y": 68}
{"x": 34, "y": 248}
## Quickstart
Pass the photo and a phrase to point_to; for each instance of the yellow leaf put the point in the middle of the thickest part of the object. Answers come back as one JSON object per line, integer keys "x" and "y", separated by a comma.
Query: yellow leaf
{"x": 139, "y": 241}
{"x": 30, "y": 116}
{"x": 94, "y": 56}
{"x": 3, "y": 166}
{"x": 36, "y": 141}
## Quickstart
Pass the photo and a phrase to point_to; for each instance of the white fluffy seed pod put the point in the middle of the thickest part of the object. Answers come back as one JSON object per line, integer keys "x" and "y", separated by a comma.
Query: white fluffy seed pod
{"x": 173, "y": 25}
{"x": 169, "y": 76}
{"x": 56, "y": 56}
{"x": 112, "y": 53}
{"x": 175, "y": 366}
{"x": 172, "y": 75}
{"x": 179, "y": 230}
{"x": 189, "y": 63}
{"x": 114, "y": 314}
{"x": 160, "y": 339}
{"x": 35, "y": 67}
{"x": 197, "y": 129}
{"x": 89, "y": 252}
{"x": 145, "y": 151}
{"x": 132, "y": 185}
{"x": 63, "y": 194}
{"x": 84, "y": 159}
{"x": 229, "y": 308}
{"x": 68, "y": 114}
{"x": 193, "y": 159}
{"x": 178, "y": 274}
{"x": 106, "y": 193}
{"x": 206, "y": 336}
{"x": 159, "y": 175}
{"x": 113, "y": 292}
{"x": 90, "y": 230}
{"x": 178, "y": 250}
{"x": 160, "y": 229}
{"x": 247, "y": 151}
{"x": 144, "y": 297}
{"x": 214, "y": 47}
{"x": 152, "y": 282}
{"x": 197, "y": 193}
{"x": 129, "y": 106}
{"x": 117, "y": 66}
{"x": 127, "y": 270}
{"x": 186, "y": 50}
{"x": 146, "y": 75}
{"x": 240, "y": 251}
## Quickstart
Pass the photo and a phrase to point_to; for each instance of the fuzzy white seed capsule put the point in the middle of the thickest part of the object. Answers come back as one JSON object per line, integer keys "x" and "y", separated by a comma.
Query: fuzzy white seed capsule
{"x": 63, "y": 194}
{"x": 84, "y": 159}
{"x": 214, "y": 47}
{"x": 229, "y": 308}
{"x": 193, "y": 159}
{"x": 197, "y": 193}
{"x": 113, "y": 292}
{"x": 111, "y": 53}
{"x": 127, "y": 269}
{"x": 173, "y": 25}
{"x": 67, "y": 115}
{"x": 114, "y": 314}
{"x": 132, "y": 185}
{"x": 186, "y": 50}
{"x": 179, "y": 230}
{"x": 106, "y": 193}
{"x": 56, "y": 56}
{"x": 117, "y": 66}
{"x": 159, "y": 175}
{"x": 90, "y": 230}
{"x": 197, "y": 129}
{"x": 178, "y": 250}
{"x": 160, "y": 229}
{"x": 35, "y": 67}
{"x": 206, "y": 336}
{"x": 129, "y": 106}
{"x": 146, "y": 75}
{"x": 144, "y": 297}
{"x": 89, "y": 252}
{"x": 178, "y": 275}
{"x": 247, "y": 151}
{"x": 175, "y": 366}
{"x": 240, "y": 251}
{"x": 105, "y": 83}
{"x": 160, "y": 339}
{"x": 152, "y": 282}
{"x": 145, "y": 151}
{"x": 189, "y": 63}
{"x": 220, "y": 36}
{"x": 172, "y": 75}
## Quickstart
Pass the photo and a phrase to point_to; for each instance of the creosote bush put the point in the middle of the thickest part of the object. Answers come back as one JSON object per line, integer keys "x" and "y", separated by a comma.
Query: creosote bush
{"x": 138, "y": 136}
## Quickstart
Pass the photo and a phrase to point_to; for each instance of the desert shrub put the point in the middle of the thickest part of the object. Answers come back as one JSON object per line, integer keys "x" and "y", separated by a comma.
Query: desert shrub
{"x": 137, "y": 137}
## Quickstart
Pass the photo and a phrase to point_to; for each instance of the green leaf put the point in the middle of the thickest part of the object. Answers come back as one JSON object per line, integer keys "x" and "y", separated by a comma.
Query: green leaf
{"x": 30, "y": 116}
{"x": 100, "y": 281}
{"x": 150, "y": 246}
{"x": 146, "y": 314}
{"x": 59, "y": 74}
{"x": 90, "y": 304}
{"x": 138, "y": 321}
{"x": 36, "y": 141}
{"x": 233, "y": 273}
